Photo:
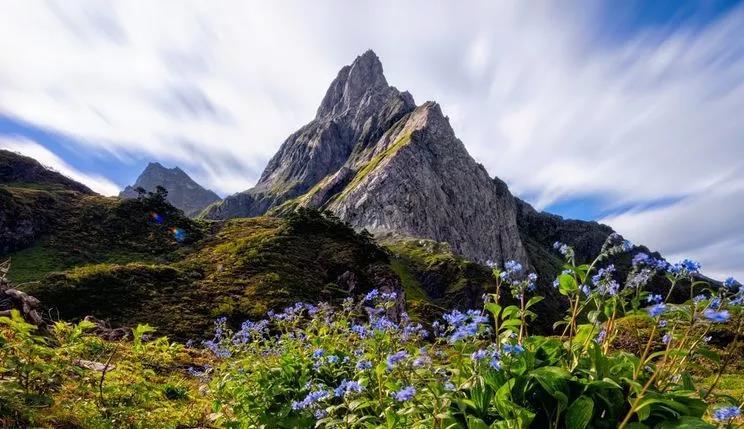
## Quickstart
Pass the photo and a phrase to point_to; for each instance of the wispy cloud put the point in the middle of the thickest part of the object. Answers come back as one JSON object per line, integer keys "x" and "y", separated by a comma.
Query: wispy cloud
{"x": 534, "y": 89}
{"x": 30, "y": 148}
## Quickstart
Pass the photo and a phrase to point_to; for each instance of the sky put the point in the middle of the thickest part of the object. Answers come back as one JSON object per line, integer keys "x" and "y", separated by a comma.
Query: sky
{"x": 629, "y": 113}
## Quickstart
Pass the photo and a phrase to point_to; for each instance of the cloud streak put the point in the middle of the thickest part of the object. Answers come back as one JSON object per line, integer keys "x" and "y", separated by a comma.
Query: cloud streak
{"x": 537, "y": 91}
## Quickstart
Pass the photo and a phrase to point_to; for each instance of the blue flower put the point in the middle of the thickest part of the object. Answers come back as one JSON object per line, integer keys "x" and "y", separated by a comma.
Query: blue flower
{"x": 405, "y": 394}
{"x": 374, "y": 293}
{"x": 640, "y": 259}
{"x": 363, "y": 364}
{"x": 716, "y": 316}
{"x": 455, "y": 318}
{"x": 730, "y": 282}
{"x": 347, "y": 388}
{"x": 382, "y": 323}
{"x": 515, "y": 349}
{"x": 389, "y": 296}
{"x": 495, "y": 363}
{"x": 360, "y": 330}
{"x": 654, "y": 298}
{"x": 699, "y": 298}
{"x": 513, "y": 266}
{"x": 478, "y": 355}
{"x": 685, "y": 267}
{"x": 311, "y": 399}
{"x": 332, "y": 359}
{"x": 448, "y": 386}
{"x": 666, "y": 338}
{"x": 320, "y": 414}
{"x": 394, "y": 359}
{"x": 318, "y": 353}
{"x": 656, "y": 310}
{"x": 601, "y": 336}
{"x": 464, "y": 331}
{"x": 725, "y": 414}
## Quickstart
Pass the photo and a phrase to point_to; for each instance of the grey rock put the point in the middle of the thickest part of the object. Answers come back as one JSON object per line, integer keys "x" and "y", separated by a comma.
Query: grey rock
{"x": 183, "y": 192}
{"x": 357, "y": 109}
{"x": 419, "y": 181}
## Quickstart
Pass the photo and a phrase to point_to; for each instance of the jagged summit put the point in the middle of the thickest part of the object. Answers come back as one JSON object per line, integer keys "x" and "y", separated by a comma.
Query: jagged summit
{"x": 359, "y": 85}
{"x": 183, "y": 192}
{"x": 379, "y": 162}
{"x": 357, "y": 109}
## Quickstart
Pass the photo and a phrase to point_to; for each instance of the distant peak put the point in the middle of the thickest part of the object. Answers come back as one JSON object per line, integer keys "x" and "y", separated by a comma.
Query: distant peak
{"x": 155, "y": 166}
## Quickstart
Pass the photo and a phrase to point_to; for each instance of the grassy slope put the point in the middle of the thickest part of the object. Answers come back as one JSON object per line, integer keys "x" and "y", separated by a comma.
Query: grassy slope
{"x": 435, "y": 279}
{"x": 81, "y": 229}
{"x": 241, "y": 269}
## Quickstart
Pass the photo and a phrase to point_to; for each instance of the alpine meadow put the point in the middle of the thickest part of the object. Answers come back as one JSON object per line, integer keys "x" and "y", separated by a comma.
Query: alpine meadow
{"x": 375, "y": 274}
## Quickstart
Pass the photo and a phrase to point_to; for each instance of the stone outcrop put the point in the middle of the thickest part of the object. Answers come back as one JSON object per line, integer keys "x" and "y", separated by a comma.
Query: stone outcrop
{"x": 183, "y": 192}
{"x": 13, "y": 299}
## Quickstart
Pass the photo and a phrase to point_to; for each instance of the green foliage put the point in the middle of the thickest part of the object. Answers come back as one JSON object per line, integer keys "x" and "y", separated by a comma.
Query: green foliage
{"x": 81, "y": 229}
{"x": 70, "y": 378}
{"x": 240, "y": 269}
{"x": 363, "y": 363}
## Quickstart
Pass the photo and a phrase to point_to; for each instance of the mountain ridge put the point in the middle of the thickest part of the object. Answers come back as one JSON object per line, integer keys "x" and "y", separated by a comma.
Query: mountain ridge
{"x": 407, "y": 175}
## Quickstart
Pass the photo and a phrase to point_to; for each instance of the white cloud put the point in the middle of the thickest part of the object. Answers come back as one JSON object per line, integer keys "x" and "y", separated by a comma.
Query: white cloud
{"x": 48, "y": 159}
{"x": 533, "y": 89}
{"x": 706, "y": 226}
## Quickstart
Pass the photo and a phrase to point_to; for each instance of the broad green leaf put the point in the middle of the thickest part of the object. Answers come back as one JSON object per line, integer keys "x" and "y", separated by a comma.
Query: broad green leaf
{"x": 579, "y": 413}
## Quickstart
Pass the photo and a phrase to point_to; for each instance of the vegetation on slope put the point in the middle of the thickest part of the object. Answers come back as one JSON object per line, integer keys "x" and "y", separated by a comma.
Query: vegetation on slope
{"x": 82, "y": 230}
{"x": 364, "y": 364}
{"x": 241, "y": 269}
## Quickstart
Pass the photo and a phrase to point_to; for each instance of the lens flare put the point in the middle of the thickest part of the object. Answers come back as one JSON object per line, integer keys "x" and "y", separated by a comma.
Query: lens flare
{"x": 156, "y": 217}
{"x": 178, "y": 234}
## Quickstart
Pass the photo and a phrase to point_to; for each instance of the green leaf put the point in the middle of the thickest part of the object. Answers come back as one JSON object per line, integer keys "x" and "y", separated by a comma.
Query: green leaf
{"x": 686, "y": 423}
{"x": 579, "y": 414}
{"x": 534, "y": 300}
{"x": 567, "y": 284}
{"x": 493, "y": 308}
{"x": 476, "y": 423}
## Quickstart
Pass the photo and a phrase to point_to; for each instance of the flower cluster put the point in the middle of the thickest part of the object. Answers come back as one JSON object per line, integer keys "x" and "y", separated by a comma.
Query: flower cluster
{"x": 465, "y": 325}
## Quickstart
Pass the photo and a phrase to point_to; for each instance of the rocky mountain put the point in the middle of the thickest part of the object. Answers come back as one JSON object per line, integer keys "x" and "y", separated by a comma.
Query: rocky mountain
{"x": 358, "y": 108}
{"x": 183, "y": 192}
{"x": 378, "y": 161}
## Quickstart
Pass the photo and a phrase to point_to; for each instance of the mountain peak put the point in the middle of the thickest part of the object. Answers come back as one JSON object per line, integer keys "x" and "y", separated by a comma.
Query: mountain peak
{"x": 183, "y": 192}
{"x": 354, "y": 85}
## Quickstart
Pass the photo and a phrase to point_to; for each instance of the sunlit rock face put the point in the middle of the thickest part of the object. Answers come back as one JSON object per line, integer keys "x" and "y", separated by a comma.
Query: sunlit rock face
{"x": 183, "y": 192}
{"x": 379, "y": 162}
{"x": 357, "y": 109}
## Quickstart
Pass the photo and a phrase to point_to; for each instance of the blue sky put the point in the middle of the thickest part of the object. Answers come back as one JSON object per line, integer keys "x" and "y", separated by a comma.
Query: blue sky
{"x": 624, "y": 112}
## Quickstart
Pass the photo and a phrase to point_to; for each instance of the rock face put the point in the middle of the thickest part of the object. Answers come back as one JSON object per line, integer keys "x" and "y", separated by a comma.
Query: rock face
{"x": 358, "y": 108}
{"x": 379, "y": 162}
{"x": 419, "y": 181}
{"x": 183, "y": 192}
